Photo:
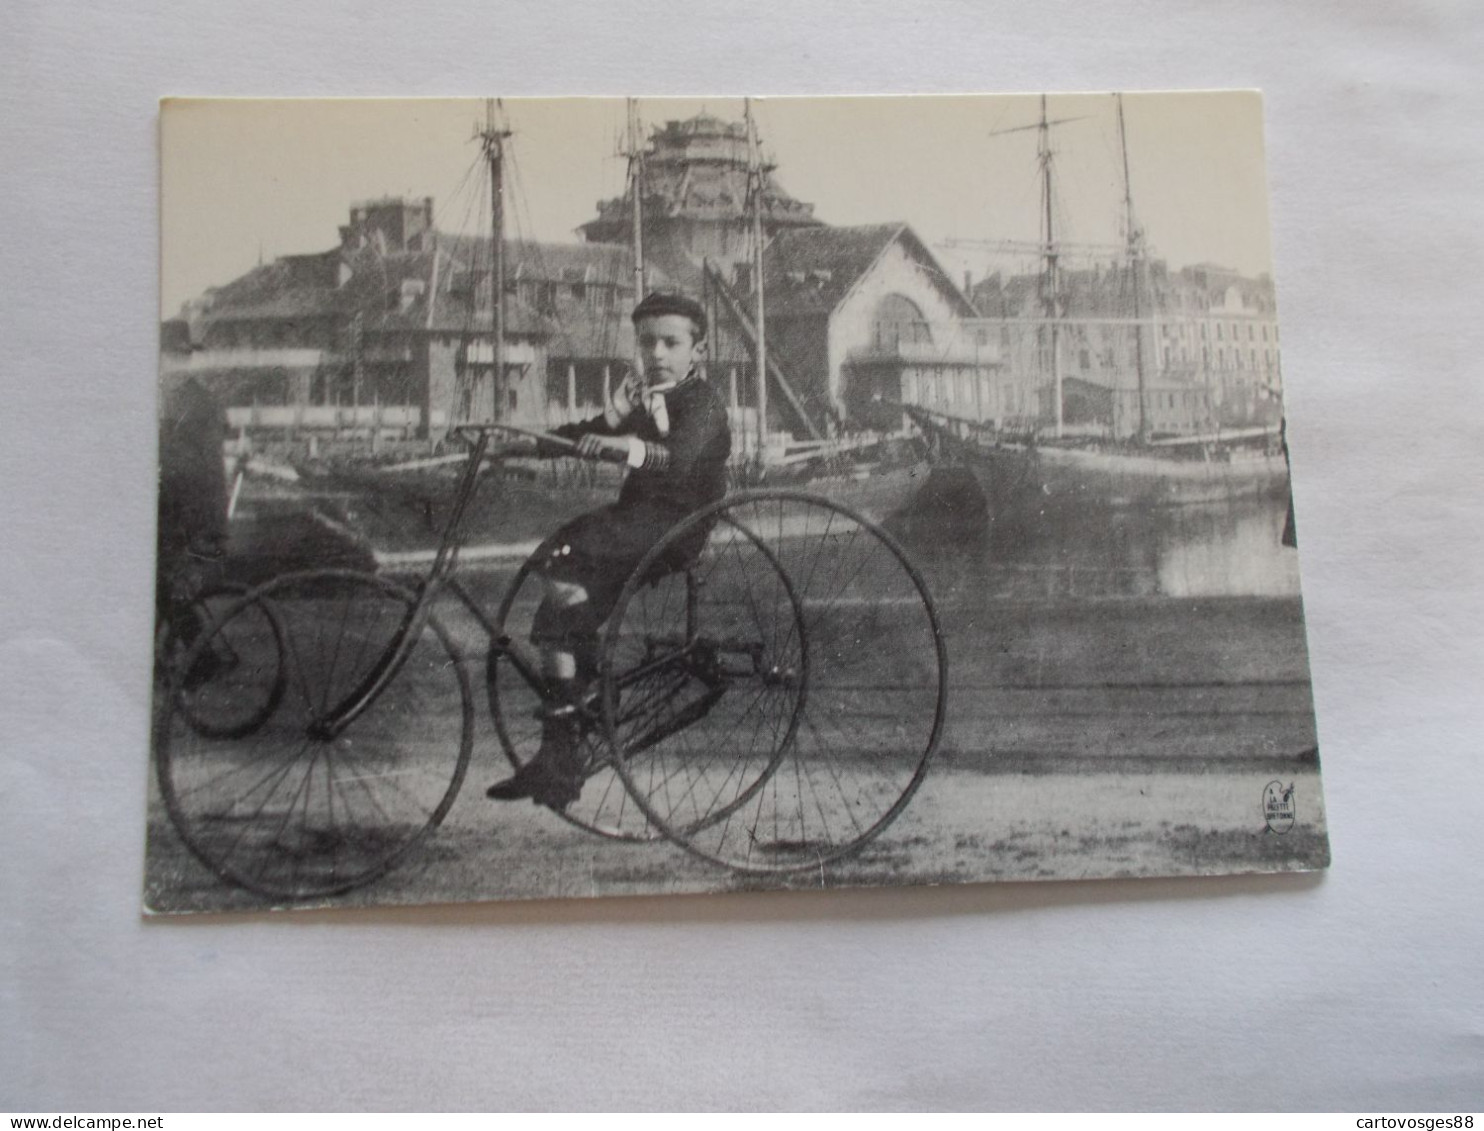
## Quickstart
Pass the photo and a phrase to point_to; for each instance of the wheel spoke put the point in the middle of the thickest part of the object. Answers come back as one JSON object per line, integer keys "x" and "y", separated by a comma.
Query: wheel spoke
{"x": 815, "y": 750}
{"x": 604, "y": 806}
{"x": 249, "y": 805}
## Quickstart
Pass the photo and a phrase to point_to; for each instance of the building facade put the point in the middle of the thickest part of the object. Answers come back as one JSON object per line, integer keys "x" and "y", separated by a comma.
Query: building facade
{"x": 1142, "y": 350}
{"x": 868, "y": 321}
{"x": 392, "y": 329}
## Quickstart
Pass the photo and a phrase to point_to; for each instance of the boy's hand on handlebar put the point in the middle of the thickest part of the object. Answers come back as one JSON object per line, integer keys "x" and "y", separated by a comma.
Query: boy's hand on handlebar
{"x": 522, "y": 446}
{"x": 609, "y": 448}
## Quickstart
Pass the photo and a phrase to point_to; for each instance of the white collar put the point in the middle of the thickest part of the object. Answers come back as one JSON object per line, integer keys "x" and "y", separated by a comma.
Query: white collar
{"x": 670, "y": 386}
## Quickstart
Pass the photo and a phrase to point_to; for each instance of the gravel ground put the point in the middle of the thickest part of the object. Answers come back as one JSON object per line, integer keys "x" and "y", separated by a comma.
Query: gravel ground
{"x": 962, "y": 826}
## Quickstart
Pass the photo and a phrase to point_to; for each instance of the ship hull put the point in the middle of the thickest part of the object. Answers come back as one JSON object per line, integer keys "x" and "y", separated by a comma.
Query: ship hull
{"x": 399, "y": 515}
{"x": 394, "y": 519}
{"x": 1104, "y": 477}
{"x": 879, "y": 494}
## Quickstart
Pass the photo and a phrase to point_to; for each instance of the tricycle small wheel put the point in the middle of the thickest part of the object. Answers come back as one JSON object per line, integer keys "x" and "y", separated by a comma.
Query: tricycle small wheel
{"x": 234, "y": 682}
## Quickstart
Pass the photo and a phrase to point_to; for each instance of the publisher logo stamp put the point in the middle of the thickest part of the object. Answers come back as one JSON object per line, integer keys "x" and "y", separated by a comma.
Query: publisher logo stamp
{"x": 1278, "y": 808}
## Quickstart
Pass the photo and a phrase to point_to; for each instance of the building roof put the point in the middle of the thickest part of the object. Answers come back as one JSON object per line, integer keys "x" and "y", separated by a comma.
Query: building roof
{"x": 1106, "y": 289}
{"x": 401, "y": 290}
{"x": 811, "y": 270}
{"x": 286, "y": 288}
{"x": 612, "y": 264}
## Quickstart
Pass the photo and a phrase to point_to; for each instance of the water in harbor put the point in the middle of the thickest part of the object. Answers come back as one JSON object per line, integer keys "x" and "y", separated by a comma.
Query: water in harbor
{"x": 966, "y": 552}
{"x": 1232, "y": 549}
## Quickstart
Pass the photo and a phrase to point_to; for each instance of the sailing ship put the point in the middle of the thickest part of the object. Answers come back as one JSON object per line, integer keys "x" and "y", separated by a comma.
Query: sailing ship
{"x": 1161, "y": 442}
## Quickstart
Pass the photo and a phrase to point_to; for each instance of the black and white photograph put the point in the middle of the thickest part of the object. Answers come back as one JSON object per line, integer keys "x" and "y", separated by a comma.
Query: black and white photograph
{"x": 771, "y": 557}
{"x": 578, "y": 497}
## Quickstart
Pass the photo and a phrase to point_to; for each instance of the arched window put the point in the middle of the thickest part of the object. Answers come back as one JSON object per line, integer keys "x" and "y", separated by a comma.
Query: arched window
{"x": 898, "y": 320}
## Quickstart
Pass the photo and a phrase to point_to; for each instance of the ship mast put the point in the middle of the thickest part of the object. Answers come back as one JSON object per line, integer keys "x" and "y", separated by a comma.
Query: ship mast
{"x": 1050, "y": 281}
{"x": 636, "y": 188}
{"x": 493, "y": 139}
{"x": 1135, "y": 264}
{"x": 755, "y": 191}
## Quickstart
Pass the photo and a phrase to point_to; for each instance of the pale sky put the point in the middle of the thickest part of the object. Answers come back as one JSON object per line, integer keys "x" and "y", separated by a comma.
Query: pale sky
{"x": 244, "y": 179}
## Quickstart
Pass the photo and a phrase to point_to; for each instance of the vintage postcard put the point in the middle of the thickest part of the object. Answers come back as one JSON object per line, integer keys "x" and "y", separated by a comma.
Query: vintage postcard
{"x": 575, "y": 497}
